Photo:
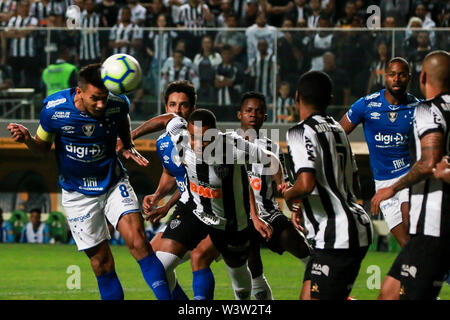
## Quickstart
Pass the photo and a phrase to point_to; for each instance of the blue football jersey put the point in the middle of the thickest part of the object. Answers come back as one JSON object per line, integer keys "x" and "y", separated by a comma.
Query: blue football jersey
{"x": 171, "y": 161}
{"x": 387, "y": 129}
{"x": 84, "y": 146}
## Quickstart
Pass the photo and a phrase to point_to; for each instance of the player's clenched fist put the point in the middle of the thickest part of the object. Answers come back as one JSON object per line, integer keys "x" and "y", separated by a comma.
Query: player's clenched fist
{"x": 442, "y": 170}
{"x": 18, "y": 132}
{"x": 149, "y": 202}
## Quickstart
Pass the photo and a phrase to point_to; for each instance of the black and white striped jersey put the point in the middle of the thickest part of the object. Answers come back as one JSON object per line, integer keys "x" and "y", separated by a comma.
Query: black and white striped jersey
{"x": 7, "y": 6}
{"x": 262, "y": 71}
{"x": 217, "y": 180}
{"x": 263, "y": 185}
{"x": 89, "y": 38}
{"x": 430, "y": 199}
{"x": 192, "y": 18}
{"x": 282, "y": 108}
{"x": 41, "y": 11}
{"x": 333, "y": 218}
{"x": 170, "y": 73}
{"x": 161, "y": 43}
{"x": 128, "y": 33}
{"x": 25, "y": 46}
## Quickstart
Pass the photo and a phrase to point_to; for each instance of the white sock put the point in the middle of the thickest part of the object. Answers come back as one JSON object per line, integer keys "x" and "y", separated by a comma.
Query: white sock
{"x": 241, "y": 281}
{"x": 261, "y": 289}
{"x": 170, "y": 262}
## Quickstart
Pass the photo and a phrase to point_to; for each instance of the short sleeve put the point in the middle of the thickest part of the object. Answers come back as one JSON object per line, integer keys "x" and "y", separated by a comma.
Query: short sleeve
{"x": 428, "y": 119}
{"x": 356, "y": 112}
{"x": 302, "y": 146}
{"x": 176, "y": 125}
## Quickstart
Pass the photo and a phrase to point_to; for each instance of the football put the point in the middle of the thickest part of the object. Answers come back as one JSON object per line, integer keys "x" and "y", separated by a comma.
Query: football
{"x": 121, "y": 73}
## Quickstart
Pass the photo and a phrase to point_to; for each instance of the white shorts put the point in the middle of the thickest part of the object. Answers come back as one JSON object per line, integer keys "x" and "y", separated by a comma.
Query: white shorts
{"x": 391, "y": 208}
{"x": 86, "y": 214}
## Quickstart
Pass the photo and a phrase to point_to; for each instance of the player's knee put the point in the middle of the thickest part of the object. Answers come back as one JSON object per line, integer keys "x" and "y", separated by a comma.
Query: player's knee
{"x": 201, "y": 259}
{"x": 102, "y": 264}
{"x": 138, "y": 244}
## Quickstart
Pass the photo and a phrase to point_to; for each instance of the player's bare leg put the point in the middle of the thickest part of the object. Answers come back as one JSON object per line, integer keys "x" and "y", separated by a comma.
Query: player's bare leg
{"x": 293, "y": 242}
{"x": 260, "y": 287}
{"x": 102, "y": 263}
{"x": 390, "y": 289}
{"x": 101, "y": 258}
{"x": 305, "y": 293}
{"x": 131, "y": 228}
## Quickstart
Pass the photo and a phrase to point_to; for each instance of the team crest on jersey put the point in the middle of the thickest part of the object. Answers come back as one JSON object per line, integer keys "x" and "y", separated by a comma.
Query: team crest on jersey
{"x": 174, "y": 223}
{"x": 394, "y": 107}
{"x": 221, "y": 171}
{"x": 88, "y": 129}
{"x": 393, "y": 116}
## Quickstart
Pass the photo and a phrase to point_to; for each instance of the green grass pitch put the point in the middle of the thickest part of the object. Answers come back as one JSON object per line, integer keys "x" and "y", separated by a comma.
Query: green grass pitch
{"x": 39, "y": 272}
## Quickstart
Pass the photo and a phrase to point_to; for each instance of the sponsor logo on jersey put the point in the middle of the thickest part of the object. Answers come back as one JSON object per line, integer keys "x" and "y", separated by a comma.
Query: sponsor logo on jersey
{"x": 392, "y": 116}
{"x": 373, "y": 95}
{"x": 166, "y": 159}
{"x": 255, "y": 183}
{"x": 94, "y": 151}
{"x": 61, "y": 115}
{"x": 163, "y": 145}
{"x": 88, "y": 129}
{"x": 68, "y": 129}
{"x": 389, "y": 138}
{"x": 54, "y": 103}
{"x": 205, "y": 192}
{"x": 408, "y": 271}
{"x": 80, "y": 218}
{"x": 309, "y": 149}
{"x": 374, "y": 104}
{"x": 174, "y": 223}
{"x": 375, "y": 116}
{"x": 319, "y": 269}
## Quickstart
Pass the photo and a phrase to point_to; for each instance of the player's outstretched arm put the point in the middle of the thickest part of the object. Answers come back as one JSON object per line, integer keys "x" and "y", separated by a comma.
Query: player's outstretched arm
{"x": 442, "y": 170}
{"x": 128, "y": 151}
{"x": 152, "y": 125}
{"x": 21, "y": 134}
{"x": 431, "y": 154}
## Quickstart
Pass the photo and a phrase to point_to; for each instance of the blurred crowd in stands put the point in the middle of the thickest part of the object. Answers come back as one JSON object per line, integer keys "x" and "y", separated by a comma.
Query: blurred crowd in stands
{"x": 30, "y": 228}
{"x": 267, "y": 56}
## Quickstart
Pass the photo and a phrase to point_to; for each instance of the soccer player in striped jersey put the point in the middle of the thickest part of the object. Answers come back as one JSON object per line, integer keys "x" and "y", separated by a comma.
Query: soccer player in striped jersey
{"x": 216, "y": 187}
{"x": 325, "y": 171}
{"x": 425, "y": 259}
{"x": 282, "y": 235}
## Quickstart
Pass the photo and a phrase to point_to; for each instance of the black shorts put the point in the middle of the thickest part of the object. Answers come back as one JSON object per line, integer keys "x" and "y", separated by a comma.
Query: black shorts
{"x": 278, "y": 222}
{"x": 333, "y": 271}
{"x": 185, "y": 228}
{"x": 423, "y": 263}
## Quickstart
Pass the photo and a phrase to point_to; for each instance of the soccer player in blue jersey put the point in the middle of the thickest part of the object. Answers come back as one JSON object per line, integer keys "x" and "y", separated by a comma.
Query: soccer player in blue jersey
{"x": 387, "y": 117}
{"x": 84, "y": 123}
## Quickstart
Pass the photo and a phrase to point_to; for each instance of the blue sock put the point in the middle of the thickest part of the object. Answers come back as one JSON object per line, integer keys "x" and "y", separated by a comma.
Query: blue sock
{"x": 110, "y": 287}
{"x": 155, "y": 276}
{"x": 203, "y": 284}
{"x": 178, "y": 293}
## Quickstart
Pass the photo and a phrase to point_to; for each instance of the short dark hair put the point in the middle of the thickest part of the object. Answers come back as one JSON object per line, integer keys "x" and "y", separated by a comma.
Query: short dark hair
{"x": 179, "y": 51}
{"x": 315, "y": 88}
{"x": 227, "y": 47}
{"x": 90, "y": 74}
{"x": 183, "y": 86}
{"x": 35, "y": 210}
{"x": 206, "y": 116}
{"x": 254, "y": 95}
{"x": 398, "y": 60}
